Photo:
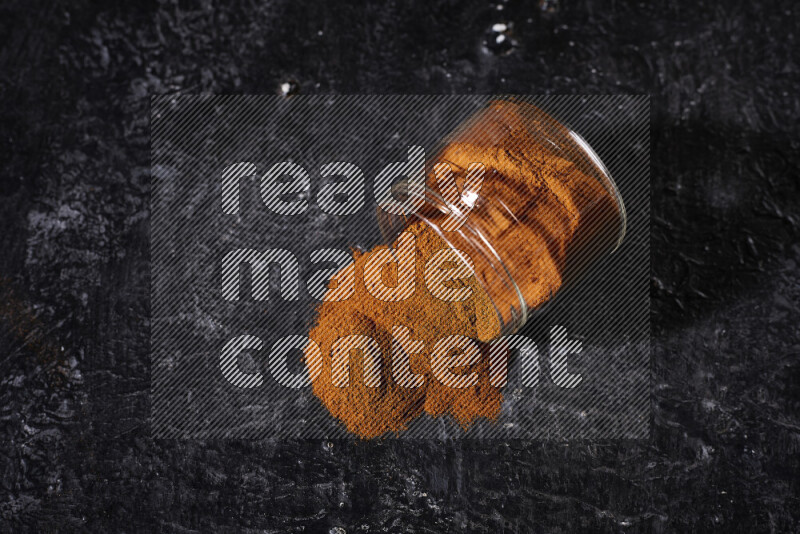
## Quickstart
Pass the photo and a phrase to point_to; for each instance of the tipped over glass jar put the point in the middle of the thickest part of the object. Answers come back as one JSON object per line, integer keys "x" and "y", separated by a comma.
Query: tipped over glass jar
{"x": 523, "y": 200}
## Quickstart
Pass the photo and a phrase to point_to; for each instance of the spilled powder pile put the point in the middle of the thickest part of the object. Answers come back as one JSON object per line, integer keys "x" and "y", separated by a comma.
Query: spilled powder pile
{"x": 543, "y": 211}
{"x": 372, "y": 411}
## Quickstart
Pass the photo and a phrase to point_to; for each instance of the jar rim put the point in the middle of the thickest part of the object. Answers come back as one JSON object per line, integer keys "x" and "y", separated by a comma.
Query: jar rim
{"x": 519, "y": 316}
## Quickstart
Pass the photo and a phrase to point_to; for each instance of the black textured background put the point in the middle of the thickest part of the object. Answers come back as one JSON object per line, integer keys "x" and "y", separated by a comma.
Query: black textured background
{"x": 75, "y": 78}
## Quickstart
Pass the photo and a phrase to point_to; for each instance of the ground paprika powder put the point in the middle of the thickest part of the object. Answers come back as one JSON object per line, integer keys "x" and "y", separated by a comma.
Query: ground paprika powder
{"x": 544, "y": 210}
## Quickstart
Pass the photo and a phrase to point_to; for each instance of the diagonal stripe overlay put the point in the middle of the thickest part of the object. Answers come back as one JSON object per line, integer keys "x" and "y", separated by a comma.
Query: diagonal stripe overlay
{"x": 257, "y": 201}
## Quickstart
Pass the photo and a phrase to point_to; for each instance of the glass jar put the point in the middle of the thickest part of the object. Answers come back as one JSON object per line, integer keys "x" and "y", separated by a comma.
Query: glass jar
{"x": 545, "y": 210}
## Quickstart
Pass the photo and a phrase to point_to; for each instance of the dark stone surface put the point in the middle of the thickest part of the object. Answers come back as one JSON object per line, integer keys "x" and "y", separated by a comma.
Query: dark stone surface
{"x": 74, "y": 84}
